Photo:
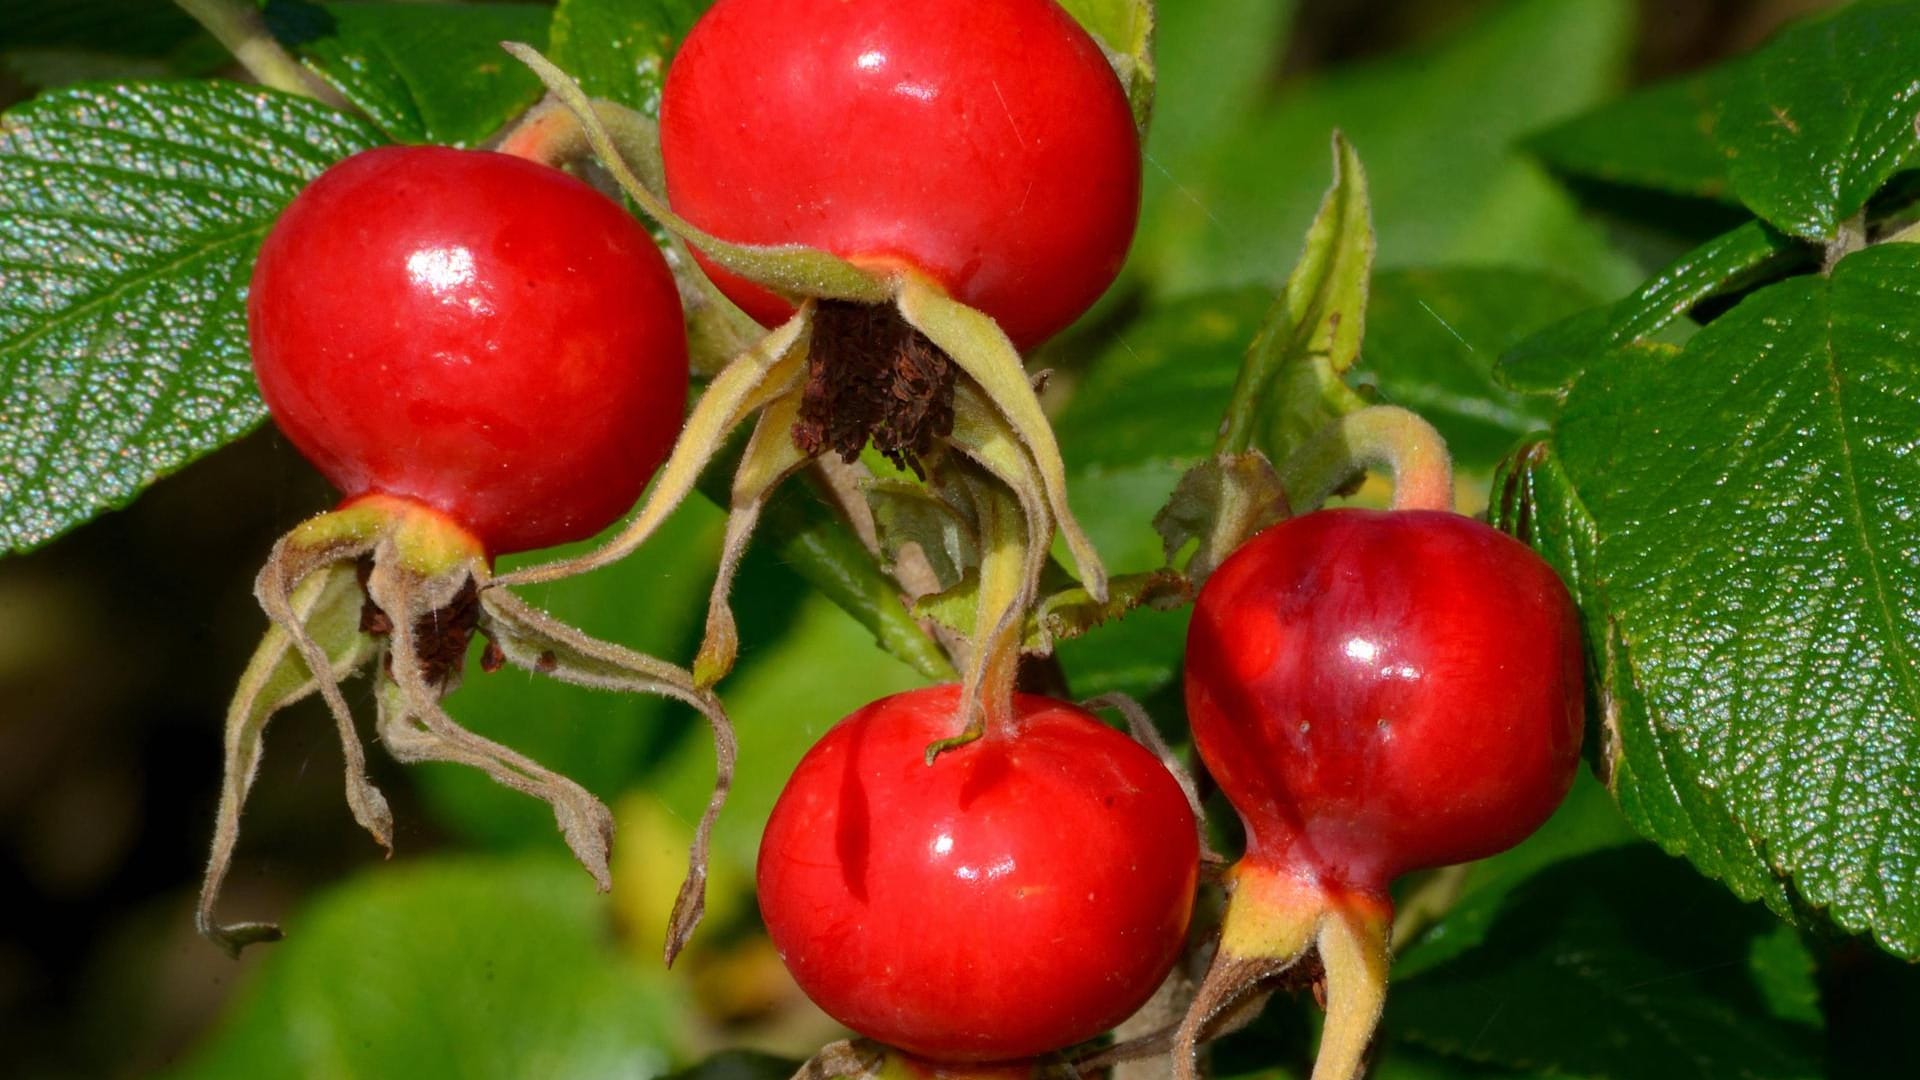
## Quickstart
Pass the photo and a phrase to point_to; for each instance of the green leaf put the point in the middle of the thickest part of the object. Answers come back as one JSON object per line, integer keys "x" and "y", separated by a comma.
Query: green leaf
{"x": 1215, "y": 58}
{"x": 1550, "y": 359}
{"x": 1436, "y": 130}
{"x": 1660, "y": 138}
{"x": 1802, "y": 132}
{"x": 1734, "y": 519}
{"x": 1433, "y": 336}
{"x": 740, "y": 1065}
{"x": 1813, "y": 124}
{"x": 619, "y": 49}
{"x": 425, "y": 73}
{"x": 1150, "y": 407}
{"x": 1623, "y": 965}
{"x": 127, "y": 27}
{"x": 1293, "y": 380}
{"x": 470, "y": 967}
{"x": 129, "y": 218}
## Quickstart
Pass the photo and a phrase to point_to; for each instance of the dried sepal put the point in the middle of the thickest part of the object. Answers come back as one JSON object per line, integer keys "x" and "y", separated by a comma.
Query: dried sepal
{"x": 975, "y": 342}
{"x": 770, "y": 458}
{"x": 301, "y": 553}
{"x": 532, "y": 639}
{"x": 1217, "y": 506}
{"x": 415, "y": 727}
{"x": 327, "y": 604}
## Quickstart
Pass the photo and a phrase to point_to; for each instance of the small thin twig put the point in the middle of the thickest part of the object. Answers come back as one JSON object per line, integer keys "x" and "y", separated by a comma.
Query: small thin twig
{"x": 240, "y": 28}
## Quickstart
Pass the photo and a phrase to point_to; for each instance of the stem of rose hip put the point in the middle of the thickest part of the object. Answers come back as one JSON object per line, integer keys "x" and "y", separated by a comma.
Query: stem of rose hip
{"x": 1379, "y": 437}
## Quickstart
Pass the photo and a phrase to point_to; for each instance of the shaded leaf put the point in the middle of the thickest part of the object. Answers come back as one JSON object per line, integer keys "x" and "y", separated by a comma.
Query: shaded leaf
{"x": 425, "y": 73}
{"x": 472, "y": 967}
{"x": 619, "y": 49}
{"x": 1433, "y": 338}
{"x": 129, "y": 218}
{"x": 1660, "y": 137}
{"x": 1619, "y": 964}
{"x": 1551, "y": 358}
{"x": 1437, "y": 130}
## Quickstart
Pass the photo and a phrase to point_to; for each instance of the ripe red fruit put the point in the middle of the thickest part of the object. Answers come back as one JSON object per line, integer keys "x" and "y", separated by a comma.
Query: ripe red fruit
{"x": 1376, "y": 692}
{"x": 1024, "y": 892}
{"x": 476, "y": 332}
{"x": 988, "y": 146}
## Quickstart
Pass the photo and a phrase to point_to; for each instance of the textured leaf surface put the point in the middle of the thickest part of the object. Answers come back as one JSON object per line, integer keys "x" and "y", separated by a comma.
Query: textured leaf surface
{"x": 425, "y": 73}
{"x": 129, "y": 217}
{"x": 473, "y": 968}
{"x": 1738, "y": 520}
{"x": 1621, "y": 964}
{"x": 1802, "y": 131}
{"x": 1813, "y": 124}
{"x": 618, "y": 49}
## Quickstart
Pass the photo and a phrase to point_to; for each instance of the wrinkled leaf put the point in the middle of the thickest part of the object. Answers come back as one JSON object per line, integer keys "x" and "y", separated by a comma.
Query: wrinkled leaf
{"x": 1736, "y": 522}
{"x": 129, "y": 218}
{"x": 1814, "y": 124}
{"x": 423, "y": 72}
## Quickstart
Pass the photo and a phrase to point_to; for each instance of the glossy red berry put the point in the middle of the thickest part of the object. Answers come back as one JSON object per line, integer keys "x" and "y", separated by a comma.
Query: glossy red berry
{"x": 1024, "y": 892}
{"x": 988, "y": 146}
{"x": 477, "y": 332}
{"x": 1378, "y": 692}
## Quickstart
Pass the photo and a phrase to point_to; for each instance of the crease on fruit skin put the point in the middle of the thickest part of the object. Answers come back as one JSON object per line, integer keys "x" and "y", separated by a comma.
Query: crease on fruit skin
{"x": 763, "y": 377}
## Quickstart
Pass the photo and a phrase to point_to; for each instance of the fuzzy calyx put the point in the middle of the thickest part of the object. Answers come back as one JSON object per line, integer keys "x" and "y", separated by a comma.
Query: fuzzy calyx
{"x": 1278, "y": 920}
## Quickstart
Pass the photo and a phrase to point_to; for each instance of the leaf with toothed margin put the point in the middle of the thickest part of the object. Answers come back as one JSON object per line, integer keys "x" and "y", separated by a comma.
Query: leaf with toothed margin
{"x": 129, "y": 218}
{"x": 422, "y": 72}
{"x": 1737, "y": 521}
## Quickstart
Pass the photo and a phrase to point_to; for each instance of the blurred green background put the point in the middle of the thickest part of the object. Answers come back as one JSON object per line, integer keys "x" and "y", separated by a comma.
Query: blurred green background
{"x": 480, "y": 949}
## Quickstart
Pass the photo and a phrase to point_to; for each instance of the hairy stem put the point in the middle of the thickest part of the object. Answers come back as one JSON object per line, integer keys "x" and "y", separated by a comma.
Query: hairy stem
{"x": 1381, "y": 436}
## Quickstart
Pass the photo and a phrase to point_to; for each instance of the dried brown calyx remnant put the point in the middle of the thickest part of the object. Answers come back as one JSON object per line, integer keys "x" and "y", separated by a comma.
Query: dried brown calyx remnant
{"x": 872, "y": 377}
{"x": 440, "y": 636}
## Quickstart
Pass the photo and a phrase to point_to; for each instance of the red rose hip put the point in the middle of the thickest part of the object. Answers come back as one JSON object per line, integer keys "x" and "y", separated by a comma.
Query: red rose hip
{"x": 988, "y": 146}
{"x": 1024, "y": 892}
{"x": 476, "y": 332}
{"x": 1376, "y": 692}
